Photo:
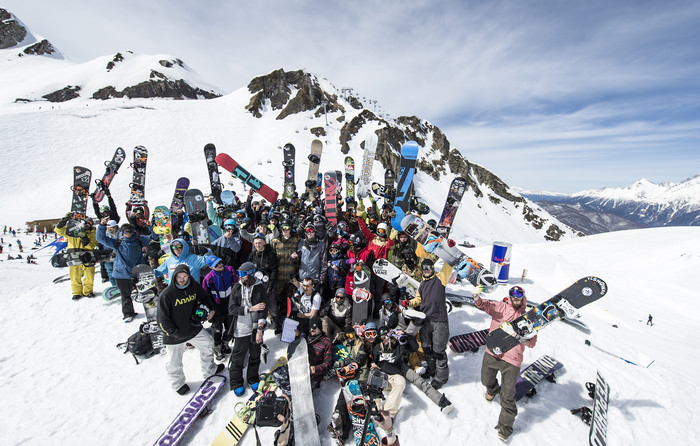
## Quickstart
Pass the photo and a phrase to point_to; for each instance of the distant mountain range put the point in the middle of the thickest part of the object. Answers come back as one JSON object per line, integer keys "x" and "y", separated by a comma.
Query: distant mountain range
{"x": 642, "y": 204}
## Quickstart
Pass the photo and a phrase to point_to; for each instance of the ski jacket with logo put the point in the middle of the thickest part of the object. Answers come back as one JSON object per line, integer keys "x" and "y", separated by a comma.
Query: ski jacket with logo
{"x": 501, "y": 312}
{"x": 266, "y": 262}
{"x": 175, "y": 309}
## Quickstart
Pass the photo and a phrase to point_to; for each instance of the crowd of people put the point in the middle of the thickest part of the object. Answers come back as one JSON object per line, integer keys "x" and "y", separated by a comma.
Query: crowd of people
{"x": 285, "y": 260}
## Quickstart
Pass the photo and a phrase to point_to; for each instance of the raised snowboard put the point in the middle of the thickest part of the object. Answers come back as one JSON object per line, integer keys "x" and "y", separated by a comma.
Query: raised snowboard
{"x": 78, "y": 206}
{"x": 178, "y": 202}
{"x": 239, "y": 172}
{"x": 213, "y": 171}
{"x": 391, "y": 273}
{"x": 566, "y": 303}
{"x": 407, "y": 169}
{"x": 112, "y": 168}
{"x": 197, "y": 212}
{"x": 361, "y": 295}
{"x": 454, "y": 198}
{"x": 330, "y": 182}
{"x": 288, "y": 164}
{"x": 363, "y": 186}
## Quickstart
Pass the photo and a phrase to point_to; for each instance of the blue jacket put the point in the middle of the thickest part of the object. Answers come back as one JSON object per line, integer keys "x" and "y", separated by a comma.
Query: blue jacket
{"x": 129, "y": 251}
{"x": 193, "y": 261}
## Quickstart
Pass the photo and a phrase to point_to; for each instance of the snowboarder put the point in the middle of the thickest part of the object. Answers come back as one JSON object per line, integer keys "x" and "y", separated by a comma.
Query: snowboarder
{"x": 176, "y": 318}
{"x": 219, "y": 283}
{"x": 507, "y": 363}
{"x": 649, "y": 321}
{"x": 81, "y": 276}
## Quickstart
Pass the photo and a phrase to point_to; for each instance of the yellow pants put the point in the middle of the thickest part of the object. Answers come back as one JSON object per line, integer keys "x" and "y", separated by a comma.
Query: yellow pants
{"x": 81, "y": 279}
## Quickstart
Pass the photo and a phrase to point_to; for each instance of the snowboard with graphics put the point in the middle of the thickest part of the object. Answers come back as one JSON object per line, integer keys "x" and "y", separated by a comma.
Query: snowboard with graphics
{"x": 565, "y": 303}
{"x": 88, "y": 258}
{"x": 138, "y": 182}
{"x": 239, "y": 172}
{"x": 213, "y": 171}
{"x": 178, "y": 202}
{"x": 349, "y": 181}
{"x": 162, "y": 226}
{"x": 79, "y": 200}
{"x": 146, "y": 292}
{"x": 392, "y": 274}
{"x": 464, "y": 266}
{"x": 468, "y": 342}
{"x": 598, "y": 435}
{"x": 289, "y": 153}
{"x": 361, "y": 296}
{"x": 112, "y": 168}
{"x": 454, "y": 198}
{"x": 530, "y": 376}
{"x": 314, "y": 161}
{"x": 197, "y": 213}
{"x": 363, "y": 186}
{"x": 330, "y": 182}
{"x": 192, "y": 410}
{"x": 358, "y": 411}
{"x": 407, "y": 169}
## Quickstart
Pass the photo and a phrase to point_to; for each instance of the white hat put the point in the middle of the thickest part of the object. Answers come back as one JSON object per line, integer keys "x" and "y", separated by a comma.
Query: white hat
{"x": 112, "y": 224}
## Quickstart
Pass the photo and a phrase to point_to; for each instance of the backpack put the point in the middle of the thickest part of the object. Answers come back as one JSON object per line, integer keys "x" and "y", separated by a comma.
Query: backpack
{"x": 138, "y": 343}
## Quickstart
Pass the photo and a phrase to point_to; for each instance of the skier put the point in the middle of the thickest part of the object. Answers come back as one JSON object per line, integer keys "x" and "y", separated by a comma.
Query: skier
{"x": 129, "y": 254}
{"x": 176, "y": 309}
{"x": 507, "y": 363}
{"x": 247, "y": 306}
{"x": 219, "y": 284}
{"x": 81, "y": 277}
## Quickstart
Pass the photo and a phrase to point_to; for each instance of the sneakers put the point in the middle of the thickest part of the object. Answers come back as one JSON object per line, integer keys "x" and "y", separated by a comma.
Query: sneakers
{"x": 184, "y": 389}
{"x": 129, "y": 317}
{"x": 445, "y": 405}
{"x": 239, "y": 391}
{"x": 502, "y": 435}
{"x": 254, "y": 386}
{"x": 219, "y": 368}
{"x": 90, "y": 295}
{"x": 77, "y": 296}
{"x": 225, "y": 349}
{"x": 489, "y": 397}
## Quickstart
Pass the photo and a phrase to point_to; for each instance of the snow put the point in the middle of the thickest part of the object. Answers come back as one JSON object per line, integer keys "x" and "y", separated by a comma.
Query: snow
{"x": 62, "y": 371}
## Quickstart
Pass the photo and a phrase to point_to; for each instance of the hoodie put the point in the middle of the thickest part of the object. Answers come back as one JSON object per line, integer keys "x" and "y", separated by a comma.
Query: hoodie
{"x": 193, "y": 261}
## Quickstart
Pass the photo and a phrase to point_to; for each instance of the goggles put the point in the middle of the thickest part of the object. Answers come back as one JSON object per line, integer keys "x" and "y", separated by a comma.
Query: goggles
{"x": 259, "y": 235}
{"x": 426, "y": 267}
{"x": 373, "y": 221}
{"x": 245, "y": 273}
{"x": 349, "y": 335}
{"x": 371, "y": 334}
{"x": 516, "y": 292}
{"x": 309, "y": 230}
{"x": 176, "y": 246}
{"x": 230, "y": 228}
{"x": 131, "y": 231}
{"x": 334, "y": 250}
{"x": 286, "y": 228}
{"x": 381, "y": 231}
{"x": 388, "y": 302}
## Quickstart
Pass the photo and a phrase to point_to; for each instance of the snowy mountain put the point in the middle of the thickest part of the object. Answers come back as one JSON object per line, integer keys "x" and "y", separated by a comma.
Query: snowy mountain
{"x": 644, "y": 203}
{"x": 586, "y": 220}
{"x": 37, "y": 71}
{"x": 251, "y": 124}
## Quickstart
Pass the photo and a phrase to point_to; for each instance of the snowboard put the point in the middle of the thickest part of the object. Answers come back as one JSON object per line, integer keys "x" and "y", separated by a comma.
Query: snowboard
{"x": 381, "y": 190}
{"x": 419, "y": 207}
{"x": 146, "y": 292}
{"x": 196, "y": 209}
{"x": 361, "y": 295}
{"x": 454, "y": 198}
{"x": 289, "y": 153}
{"x": 192, "y": 410}
{"x": 305, "y": 429}
{"x": 61, "y": 279}
{"x": 111, "y": 293}
{"x": 228, "y": 197}
{"x": 112, "y": 168}
{"x": 534, "y": 373}
{"x": 236, "y": 428}
{"x": 178, "y": 202}
{"x": 239, "y": 172}
{"x": 565, "y": 303}
{"x": 468, "y": 342}
{"x": 330, "y": 182}
{"x": 598, "y": 435}
{"x": 407, "y": 169}
{"x": 349, "y": 180}
{"x": 465, "y": 266}
{"x": 162, "y": 226}
{"x": 213, "y": 171}
{"x": 391, "y": 273}
{"x": 79, "y": 200}
{"x": 138, "y": 182}
{"x": 88, "y": 258}
{"x": 357, "y": 408}
{"x": 314, "y": 160}
{"x": 363, "y": 186}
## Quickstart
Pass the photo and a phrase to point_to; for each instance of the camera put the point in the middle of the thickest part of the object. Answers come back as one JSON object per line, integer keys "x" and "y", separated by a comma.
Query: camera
{"x": 267, "y": 409}
{"x": 377, "y": 381}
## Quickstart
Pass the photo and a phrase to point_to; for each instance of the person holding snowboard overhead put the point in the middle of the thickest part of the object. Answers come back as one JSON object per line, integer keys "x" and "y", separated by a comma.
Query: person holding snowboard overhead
{"x": 507, "y": 363}
{"x": 82, "y": 277}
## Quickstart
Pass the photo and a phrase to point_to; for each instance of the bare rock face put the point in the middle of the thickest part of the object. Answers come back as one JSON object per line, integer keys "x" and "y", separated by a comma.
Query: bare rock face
{"x": 163, "y": 88}
{"x": 42, "y": 48}
{"x": 63, "y": 95}
{"x": 11, "y": 32}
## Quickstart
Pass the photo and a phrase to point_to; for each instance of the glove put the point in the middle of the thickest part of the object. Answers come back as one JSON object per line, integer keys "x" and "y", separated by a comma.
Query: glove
{"x": 350, "y": 261}
{"x": 405, "y": 303}
{"x": 479, "y": 289}
{"x": 251, "y": 192}
{"x": 464, "y": 269}
{"x": 82, "y": 234}
{"x": 451, "y": 243}
{"x": 431, "y": 243}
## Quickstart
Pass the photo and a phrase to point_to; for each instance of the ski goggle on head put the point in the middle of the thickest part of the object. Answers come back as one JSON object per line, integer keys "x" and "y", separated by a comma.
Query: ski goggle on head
{"x": 246, "y": 273}
{"x": 516, "y": 292}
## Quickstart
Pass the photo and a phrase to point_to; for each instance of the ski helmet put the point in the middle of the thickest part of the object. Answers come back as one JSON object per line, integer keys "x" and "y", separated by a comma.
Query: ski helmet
{"x": 229, "y": 222}
{"x": 516, "y": 292}
{"x": 383, "y": 229}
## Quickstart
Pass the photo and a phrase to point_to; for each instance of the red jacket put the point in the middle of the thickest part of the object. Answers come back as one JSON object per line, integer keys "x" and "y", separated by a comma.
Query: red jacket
{"x": 501, "y": 312}
{"x": 379, "y": 246}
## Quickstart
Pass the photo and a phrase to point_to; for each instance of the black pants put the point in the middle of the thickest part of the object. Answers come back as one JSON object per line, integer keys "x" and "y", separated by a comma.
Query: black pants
{"x": 125, "y": 286}
{"x": 242, "y": 346}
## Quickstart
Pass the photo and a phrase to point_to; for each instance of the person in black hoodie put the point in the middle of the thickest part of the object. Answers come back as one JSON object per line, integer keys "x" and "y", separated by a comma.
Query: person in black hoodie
{"x": 178, "y": 320}
{"x": 267, "y": 262}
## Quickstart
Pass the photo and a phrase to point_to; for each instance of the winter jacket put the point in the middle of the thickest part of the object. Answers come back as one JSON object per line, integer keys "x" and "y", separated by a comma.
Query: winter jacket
{"x": 378, "y": 245}
{"x": 235, "y": 308}
{"x": 359, "y": 354}
{"x": 313, "y": 259}
{"x": 391, "y": 357}
{"x": 501, "y": 312}
{"x": 340, "y": 314}
{"x": 194, "y": 262}
{"x": 129, "y": 251}
{"x": 266, "y": 262}
{"x": 220, "y": 285}
{"x": 284, "y": 249}
{"x": 366, "y": 256}
{"x": 175, "y": 309}
{"x": 431, "y": 295}
{"x": 320, "y": 356}
{"x": 76, "y": 243}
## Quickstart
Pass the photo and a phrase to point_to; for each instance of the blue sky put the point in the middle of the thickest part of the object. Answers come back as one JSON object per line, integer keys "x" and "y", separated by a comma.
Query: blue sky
{"x": 549, "y": 95}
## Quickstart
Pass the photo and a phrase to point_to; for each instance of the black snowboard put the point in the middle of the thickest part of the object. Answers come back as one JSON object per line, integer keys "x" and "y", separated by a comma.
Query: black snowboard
{"x": 146, "y": 292}
{"x": 88, "y": 258}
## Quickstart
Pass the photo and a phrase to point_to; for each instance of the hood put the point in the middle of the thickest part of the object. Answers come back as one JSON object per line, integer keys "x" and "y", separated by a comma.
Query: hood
{"x": 185, "y": 248}
{"x": 178, "y": 269}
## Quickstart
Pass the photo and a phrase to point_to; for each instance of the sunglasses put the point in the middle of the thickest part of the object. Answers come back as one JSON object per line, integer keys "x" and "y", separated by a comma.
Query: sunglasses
{"x": 371, "y": 334}
{"x": 308, "y": 286}
{"x": 245, "y": 273}
{"x": 339, "y": 296}
{"x": 127, "y": 231}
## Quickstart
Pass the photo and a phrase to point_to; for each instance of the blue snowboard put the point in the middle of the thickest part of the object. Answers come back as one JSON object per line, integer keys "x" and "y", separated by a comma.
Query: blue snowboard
{"x": 407, "y": 169}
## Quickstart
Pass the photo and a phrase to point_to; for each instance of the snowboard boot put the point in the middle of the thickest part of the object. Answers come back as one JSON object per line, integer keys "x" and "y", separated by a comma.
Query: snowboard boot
{"x": 184, "y": 389}
{"x": 77, "y": 296}
{"x": 90, "y": 295}
{"x": 225, "y": 349}
{"x": 445, "y": 405}
{"x": 219, "y": 368}
{"x": 489, "y": 397}
{"x": 502, "y": 435}
{"x": 218, "y": 355}
{"x": 335, "y": 428}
